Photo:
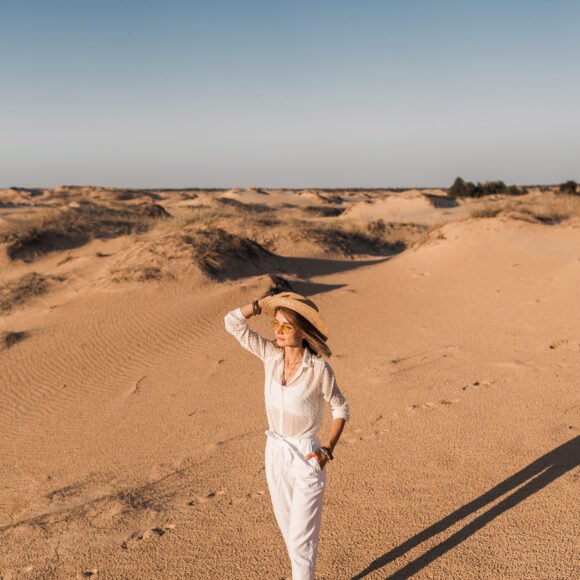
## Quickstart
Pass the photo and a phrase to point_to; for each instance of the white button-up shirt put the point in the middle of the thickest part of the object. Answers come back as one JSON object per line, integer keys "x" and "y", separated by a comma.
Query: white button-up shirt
{"x": 297, "y": 409}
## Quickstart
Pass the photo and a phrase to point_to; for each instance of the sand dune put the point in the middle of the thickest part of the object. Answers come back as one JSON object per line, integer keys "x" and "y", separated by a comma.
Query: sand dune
{"x": 132, "y": 426}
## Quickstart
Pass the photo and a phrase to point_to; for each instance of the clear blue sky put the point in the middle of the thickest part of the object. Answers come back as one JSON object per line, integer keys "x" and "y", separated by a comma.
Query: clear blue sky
{"x": 317, "y": 93}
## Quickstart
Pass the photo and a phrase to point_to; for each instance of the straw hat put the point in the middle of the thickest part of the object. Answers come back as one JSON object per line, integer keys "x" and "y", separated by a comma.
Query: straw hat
{"x": 298, "y": 303}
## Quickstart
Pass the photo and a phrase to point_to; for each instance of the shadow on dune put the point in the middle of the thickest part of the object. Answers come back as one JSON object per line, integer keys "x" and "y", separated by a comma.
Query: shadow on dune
{"x": 232, "y": 268}
{"x": 535, "y": 476}
{"x": 441, "y": 201}
{"x": 324, "y": 267}
{"x": 225, "y": 256}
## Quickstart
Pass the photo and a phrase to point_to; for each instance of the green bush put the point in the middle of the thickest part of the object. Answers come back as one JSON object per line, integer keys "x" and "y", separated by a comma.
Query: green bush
{"x": 515, "y": 190}
{"x": 568, "y": 187}
{"x": 461, "y": 188}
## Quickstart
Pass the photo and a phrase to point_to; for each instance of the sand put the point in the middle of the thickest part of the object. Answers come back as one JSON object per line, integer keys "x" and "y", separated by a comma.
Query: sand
{"x": 132, "y": 425}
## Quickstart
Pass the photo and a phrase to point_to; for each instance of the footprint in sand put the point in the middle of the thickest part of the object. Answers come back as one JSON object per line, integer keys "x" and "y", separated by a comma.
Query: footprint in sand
{"x": 200, "y": 499}
{"x": 565, "y": 343}
{"x": 356, "y": 435}
{"x": 247, "y": 496}
{"x": 421, "y": 407}
{"x": 151, "y": 532}
{"x": 476, "y": 385}
{"x": 401, "y": 364}
{"x": 432, "y": 406}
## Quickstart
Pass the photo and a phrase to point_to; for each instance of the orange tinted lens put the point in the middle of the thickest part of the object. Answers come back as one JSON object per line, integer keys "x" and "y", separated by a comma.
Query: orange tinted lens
{"x": 285, "y": 328}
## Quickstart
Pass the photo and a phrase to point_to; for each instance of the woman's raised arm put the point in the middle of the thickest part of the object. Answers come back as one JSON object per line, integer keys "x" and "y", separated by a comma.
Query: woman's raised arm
{"x": 236, "y": 324}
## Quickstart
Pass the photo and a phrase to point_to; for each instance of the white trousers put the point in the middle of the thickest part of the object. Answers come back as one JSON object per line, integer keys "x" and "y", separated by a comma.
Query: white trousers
{"x": 296, "y": 489}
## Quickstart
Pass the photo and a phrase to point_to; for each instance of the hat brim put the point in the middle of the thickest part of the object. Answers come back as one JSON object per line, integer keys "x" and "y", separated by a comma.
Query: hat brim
{"x": 292, "y": 301}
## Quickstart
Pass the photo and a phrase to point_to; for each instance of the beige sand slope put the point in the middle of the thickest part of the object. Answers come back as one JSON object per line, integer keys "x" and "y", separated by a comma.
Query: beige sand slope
{"x": 132, "y": 424}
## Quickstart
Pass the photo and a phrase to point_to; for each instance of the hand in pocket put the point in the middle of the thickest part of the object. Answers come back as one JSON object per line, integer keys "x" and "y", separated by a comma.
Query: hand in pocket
{"x": 320, "y": 458}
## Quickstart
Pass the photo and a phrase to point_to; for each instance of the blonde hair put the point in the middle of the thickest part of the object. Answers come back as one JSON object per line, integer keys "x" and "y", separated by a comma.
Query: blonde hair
{"x": 313, "y": 340}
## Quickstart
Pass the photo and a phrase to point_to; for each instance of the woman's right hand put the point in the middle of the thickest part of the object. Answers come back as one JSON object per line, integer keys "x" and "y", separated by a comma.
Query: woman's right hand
{"x": 269, "y": 293}
{"x": 265, "y": 296}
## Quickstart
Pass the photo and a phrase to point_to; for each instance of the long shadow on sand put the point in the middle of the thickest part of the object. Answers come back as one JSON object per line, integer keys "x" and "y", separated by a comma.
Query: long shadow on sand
{"x": 535, "y": 476}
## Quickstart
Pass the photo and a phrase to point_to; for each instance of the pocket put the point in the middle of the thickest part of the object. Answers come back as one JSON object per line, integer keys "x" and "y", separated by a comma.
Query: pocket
{"x": 313, "y": 461}
{"x": 308, "y": 467}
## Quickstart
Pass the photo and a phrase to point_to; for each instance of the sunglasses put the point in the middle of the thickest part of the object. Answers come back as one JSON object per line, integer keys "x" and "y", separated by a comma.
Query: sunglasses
{"x": 286, "y": 328}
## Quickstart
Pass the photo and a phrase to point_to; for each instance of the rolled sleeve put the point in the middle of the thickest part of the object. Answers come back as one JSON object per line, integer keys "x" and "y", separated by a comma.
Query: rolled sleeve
{"x": 339, "y": 407}
{"x": 236, "y": 325}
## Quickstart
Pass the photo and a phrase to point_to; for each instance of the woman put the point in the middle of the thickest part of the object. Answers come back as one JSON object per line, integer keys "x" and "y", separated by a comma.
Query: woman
{"x": 297, "y": 383}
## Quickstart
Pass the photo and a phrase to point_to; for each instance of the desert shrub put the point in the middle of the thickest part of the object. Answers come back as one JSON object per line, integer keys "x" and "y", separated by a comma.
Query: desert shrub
{"x": 376, "y": 228}
{"x": 485, "y": 212}
{"x": 494, "y": 188}
{"x": 569, "y": 187}
{"x": 9, "y": 339}
{"x": 154, "y": 210}
{"x": 324, "y": 211}
{"x": 515, "y": 190}
{"x": 19, "y": 291}
{"x": 461, "y": 188}
{"x": 140, "y": 273}
{"x": 552, "y": 218}
{"x": 74, "y": 227}
{"x": 350, "y": 243}
{"x": 218, "y": 253}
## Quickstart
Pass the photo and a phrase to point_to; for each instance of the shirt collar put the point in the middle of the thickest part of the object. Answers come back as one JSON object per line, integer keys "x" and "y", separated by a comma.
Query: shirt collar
{"x": 306, "y": 359}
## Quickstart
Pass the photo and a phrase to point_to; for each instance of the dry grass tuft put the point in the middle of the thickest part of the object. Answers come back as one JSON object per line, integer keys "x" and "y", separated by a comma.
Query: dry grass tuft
{"x": 544, "y": 208}
{"x": 350, "y": 243}
{"x": 220, "y": 254}
{"x": 485, "y": 212}
{"x": 21, "y": 290}
{"x": 9, "y": 339}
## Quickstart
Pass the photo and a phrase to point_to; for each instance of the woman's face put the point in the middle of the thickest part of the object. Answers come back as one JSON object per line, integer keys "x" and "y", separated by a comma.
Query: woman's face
{"x": 293, "y": 338}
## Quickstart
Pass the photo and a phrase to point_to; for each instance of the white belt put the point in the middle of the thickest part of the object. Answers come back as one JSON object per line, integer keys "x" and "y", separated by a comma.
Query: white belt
{"x": 289, "y": 441}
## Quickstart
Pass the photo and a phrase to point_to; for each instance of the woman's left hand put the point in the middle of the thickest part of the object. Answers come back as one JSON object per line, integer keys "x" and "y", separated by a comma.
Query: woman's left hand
{"x": 321, "y": 458}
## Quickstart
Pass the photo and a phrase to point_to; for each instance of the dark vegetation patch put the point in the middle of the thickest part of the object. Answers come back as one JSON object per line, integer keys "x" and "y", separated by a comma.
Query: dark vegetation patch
{"x": 546, "y": 217}
{"x": 551, "y": 219}
{"x": 461, "y": 188}
{"x": 353, "y": 242}
{"x": 246, "y": 207}
{"x": 130, "y": 194}
{"x": 221, "y": 255}
{"x": 141, "y": 274}
{"x": 324, "y": 211}
{"x": 9, "y": 339}
{"x": 569, "y": 187}
{"x": 75, "y": 226}
{"x": 486, "y": 212}
{"x": 21, "y": 290}
{"x": 154, "y": 210}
